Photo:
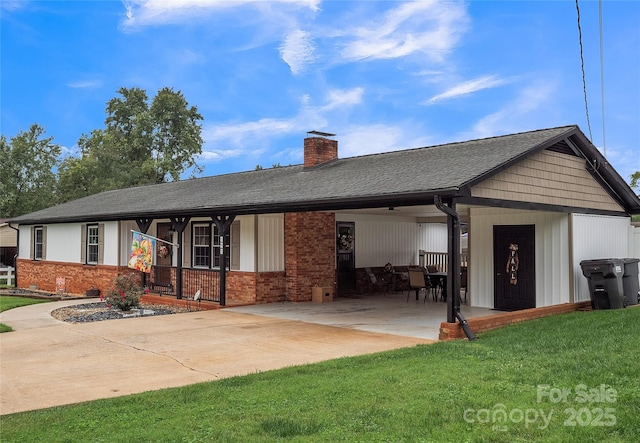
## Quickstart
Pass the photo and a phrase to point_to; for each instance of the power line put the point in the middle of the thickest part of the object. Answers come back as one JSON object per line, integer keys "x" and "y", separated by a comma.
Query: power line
{"x": 604, "y": 139}
{"x": 584, "y": 80}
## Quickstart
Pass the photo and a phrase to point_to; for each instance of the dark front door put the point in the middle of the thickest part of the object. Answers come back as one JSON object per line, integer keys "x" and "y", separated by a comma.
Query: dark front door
{"x": 514, "y": 267}
{"x": 164, "y": 252}
{"x": 346, "y": 257}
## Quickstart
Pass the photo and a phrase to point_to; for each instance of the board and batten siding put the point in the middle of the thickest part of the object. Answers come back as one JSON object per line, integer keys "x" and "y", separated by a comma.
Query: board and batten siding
{"x": 270, "y": 243}
{"x": 392, "y": 239}
{"x": 551, "y": 250}
{"x": 550, "y": 178}
{"x": 596, "y": 237}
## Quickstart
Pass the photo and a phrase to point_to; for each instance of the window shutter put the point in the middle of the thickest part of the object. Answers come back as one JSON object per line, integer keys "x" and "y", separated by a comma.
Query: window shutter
{"x": 32, "y": 249}
{"x": 101, "y": 243}
{"x": 83, "y": 244}
{"x": 235, "y": 245}
{"x": 186, "y": 247}
{"x": 44, "y": 243}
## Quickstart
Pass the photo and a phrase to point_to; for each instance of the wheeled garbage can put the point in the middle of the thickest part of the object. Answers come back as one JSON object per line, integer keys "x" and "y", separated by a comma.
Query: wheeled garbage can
{"x": 605, "y": 282}
{"x": 630, "y": 284}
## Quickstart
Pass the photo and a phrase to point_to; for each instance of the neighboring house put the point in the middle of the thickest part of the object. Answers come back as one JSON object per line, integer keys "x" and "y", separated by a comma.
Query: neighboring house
{"x": 8, "y": 243}
{"x": 549, "y": 194}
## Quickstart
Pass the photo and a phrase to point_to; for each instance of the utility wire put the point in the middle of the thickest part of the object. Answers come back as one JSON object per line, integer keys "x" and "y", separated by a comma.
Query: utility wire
{"x": 584, "y": 80}
{"x": 604, "y": 139}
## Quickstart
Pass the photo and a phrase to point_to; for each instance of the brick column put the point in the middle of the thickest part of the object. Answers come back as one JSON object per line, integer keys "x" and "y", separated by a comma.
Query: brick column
{"x": 309, "y": 252}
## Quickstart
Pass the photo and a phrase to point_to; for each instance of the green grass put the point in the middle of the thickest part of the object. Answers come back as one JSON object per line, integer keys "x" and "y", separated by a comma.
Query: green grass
{"x": 9, "y": 302}
{"x": 417, "y": 394}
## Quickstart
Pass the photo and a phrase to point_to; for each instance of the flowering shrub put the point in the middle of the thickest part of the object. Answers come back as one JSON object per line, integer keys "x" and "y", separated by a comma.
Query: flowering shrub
{"x": 125, "y": 293}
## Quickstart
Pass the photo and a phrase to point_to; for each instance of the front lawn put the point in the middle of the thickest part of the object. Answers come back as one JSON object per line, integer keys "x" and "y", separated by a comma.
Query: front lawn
{"x": 9, "y": 302}
{"x": 568, "y": 378}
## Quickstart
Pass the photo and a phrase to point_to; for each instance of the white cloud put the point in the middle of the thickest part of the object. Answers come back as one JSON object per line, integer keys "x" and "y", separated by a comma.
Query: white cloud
{"x": 530, "y": 109}
{"x": 297, "y": 51}
{"x": 340, "y": 98}
{"x": 430, "y": 27}
{"x": 468, "y": 87}
{"x": 372, "y": 139}
{"x": 158, "y": 12}
{"x": 85, "y": 84}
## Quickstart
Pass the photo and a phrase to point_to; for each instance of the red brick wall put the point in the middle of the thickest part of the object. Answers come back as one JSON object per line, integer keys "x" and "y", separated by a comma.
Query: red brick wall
{"x": 450, "y": 331}
{"x": 309, "y": 252}
{"x": 319, "y": 150}
{"x": 78, "y": 277}
{"x": 241, "y": 288}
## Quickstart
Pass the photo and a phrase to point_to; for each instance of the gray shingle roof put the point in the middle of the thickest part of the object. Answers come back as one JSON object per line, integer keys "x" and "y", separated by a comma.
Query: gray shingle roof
{"x": 351, "y": 181}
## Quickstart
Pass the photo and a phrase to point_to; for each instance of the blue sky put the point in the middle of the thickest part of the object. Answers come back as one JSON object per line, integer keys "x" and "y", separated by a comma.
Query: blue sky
{"x": 381, "y": 75}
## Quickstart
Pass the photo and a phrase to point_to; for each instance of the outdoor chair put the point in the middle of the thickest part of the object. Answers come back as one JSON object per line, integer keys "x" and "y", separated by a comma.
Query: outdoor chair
{"x": 375, "y": 284}
{"x": 463, "y": 281}
{"x": 417, "y": 281}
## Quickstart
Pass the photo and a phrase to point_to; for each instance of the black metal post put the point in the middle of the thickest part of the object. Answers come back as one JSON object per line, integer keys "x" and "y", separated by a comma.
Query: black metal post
{"x": 143, "y": 225}
{"x": 179, "y": 224}
{"x": 223, "y": 223}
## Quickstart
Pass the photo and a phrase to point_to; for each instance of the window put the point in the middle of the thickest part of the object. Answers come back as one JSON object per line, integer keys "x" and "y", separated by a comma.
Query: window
{"x": 201, "y": 246}
{"x": 206, "y": 247}
{"x": 38, "y": 243}
{"x": 92, "y": 244}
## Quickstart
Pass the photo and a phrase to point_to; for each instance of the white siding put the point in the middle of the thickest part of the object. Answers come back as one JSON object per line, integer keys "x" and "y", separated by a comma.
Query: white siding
{"x": 125, "y": 241}
{"x": 552, "y": 254}
{"x": 384, "y": 239}
{"x": 25, "y": 241}
{"x": 595, "y": 237}
{"x": 271, "y": 243}
{"x": 634, "y": 242}
{"x": 247, "y": 243}
{"x": 433, "y": 237}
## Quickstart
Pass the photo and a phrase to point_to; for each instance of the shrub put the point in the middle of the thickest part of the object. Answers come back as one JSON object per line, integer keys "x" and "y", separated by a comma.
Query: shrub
{"x": 125, "y": 293}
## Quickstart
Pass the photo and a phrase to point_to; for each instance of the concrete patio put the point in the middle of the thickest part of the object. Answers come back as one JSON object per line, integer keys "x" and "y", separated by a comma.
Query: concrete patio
{"x": 386, "y": 313}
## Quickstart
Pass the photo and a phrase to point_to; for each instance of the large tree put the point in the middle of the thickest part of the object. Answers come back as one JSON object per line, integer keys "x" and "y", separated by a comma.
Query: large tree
{"x": 27, "y": 178}
{"x": 142, "y": 143}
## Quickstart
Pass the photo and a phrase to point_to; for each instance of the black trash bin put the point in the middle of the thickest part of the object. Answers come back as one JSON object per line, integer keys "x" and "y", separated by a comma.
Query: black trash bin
{"x": 630, "y": 284}
{"x": 605, "y": 282}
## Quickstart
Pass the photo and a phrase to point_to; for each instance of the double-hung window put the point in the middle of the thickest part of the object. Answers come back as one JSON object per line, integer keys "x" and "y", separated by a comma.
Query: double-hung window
{"x": 206, "y": 246}
{"x": 92, "y": 244}
{"x": 38, "y": 243}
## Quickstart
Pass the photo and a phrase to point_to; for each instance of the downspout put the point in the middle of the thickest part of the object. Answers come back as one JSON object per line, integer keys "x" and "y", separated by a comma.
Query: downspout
{"x": 15, "y": 257}
{"x": 453, "y": 265}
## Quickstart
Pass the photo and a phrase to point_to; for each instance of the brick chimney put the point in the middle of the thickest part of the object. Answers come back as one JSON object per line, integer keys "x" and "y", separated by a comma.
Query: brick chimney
{"x": 319, "y": 150}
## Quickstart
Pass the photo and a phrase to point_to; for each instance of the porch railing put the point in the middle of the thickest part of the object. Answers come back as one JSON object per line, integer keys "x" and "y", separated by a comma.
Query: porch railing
{"x": 162, "y": 280}
{"x": 439, "y": 259}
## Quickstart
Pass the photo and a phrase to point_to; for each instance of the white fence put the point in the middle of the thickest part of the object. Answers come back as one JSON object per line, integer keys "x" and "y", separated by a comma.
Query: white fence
{"x": 7, "y": 275}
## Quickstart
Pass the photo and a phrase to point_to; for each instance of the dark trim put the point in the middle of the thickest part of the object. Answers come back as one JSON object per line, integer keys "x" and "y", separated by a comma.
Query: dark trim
{"x": 144, "y": 224}
{"x": 531, "y": 206}
{"x": 361, "y": 202}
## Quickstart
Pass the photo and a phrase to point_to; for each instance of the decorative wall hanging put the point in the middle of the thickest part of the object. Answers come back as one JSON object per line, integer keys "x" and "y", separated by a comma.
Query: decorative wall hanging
{"x": 513, "y": 262}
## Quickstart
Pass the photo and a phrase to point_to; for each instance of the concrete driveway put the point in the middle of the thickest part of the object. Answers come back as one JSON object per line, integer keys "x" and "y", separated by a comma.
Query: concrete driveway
{"x": 45, "y": 362}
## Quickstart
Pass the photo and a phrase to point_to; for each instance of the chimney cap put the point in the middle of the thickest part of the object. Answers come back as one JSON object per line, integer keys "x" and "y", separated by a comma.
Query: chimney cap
{"x": 321, "y": 134}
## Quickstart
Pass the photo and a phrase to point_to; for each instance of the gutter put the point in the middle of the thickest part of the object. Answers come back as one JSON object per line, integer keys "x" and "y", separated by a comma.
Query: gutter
{"x": 453, "y": 268}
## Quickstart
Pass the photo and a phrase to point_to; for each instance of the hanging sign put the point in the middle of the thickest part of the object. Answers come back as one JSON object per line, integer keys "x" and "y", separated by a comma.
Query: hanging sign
{"x": 513, "y": 263}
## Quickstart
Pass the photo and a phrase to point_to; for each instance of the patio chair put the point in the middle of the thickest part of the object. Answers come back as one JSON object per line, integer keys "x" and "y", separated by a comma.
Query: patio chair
{"x": 463, "y": 281}
{"x": 375, "y": 284}
{"x": 417, "y": 281}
